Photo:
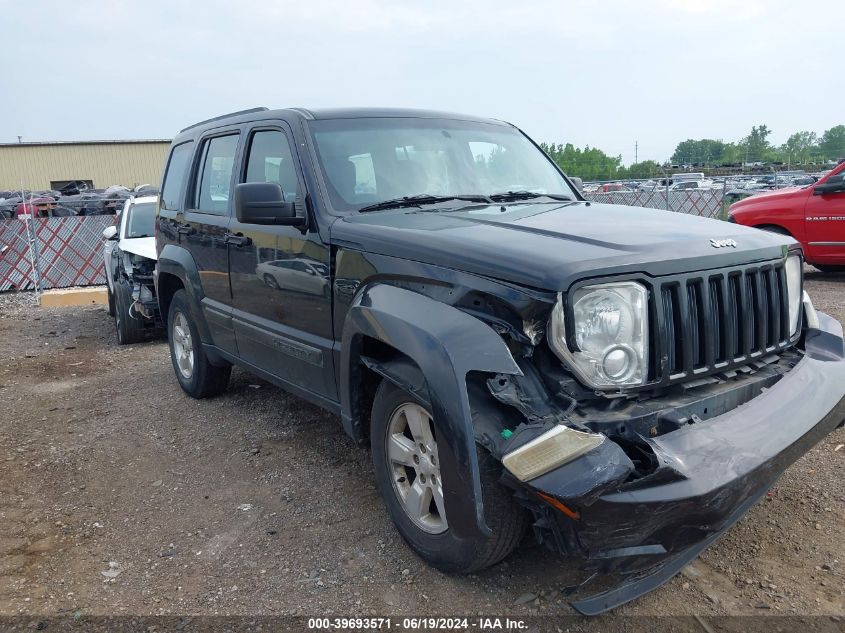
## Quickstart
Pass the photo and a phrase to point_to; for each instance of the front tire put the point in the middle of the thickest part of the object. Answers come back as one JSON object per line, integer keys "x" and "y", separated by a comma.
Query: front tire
{"x": 830, "y": 268}
{"x": 111, "y": 301}
{"x": 405, "y": 459}
{"x": 196, "y": 375}
{"x": 129, "y": 329}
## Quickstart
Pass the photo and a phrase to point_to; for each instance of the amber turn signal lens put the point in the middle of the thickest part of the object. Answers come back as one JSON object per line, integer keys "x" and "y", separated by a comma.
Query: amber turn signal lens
{"x": 557, "y": 505}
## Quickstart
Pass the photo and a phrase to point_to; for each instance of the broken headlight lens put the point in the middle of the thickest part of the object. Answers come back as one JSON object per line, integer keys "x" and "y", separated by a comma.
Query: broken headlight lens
{"x": 793, "y": 288}
{"x": 554, "y": 448}
{"x": 610, "y": 328}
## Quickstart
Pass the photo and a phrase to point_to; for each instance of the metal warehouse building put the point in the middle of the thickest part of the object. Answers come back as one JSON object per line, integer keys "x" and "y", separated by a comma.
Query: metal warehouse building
{"x": 39, "y": 166}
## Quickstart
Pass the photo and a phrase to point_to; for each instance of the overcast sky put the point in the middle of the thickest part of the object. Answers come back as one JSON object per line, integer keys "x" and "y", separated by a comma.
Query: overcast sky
{"x": 604, "y": 73}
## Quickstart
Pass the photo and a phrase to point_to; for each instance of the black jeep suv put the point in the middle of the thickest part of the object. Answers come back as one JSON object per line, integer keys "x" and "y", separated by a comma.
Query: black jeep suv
{"x": 624, "y": 382}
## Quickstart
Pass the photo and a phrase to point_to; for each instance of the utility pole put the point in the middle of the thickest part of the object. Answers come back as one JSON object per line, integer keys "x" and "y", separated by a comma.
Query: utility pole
{"x": 636, "y": 147}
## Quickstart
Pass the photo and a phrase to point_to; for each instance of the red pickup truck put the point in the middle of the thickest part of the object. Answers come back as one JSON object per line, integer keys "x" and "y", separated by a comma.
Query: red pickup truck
{"x": 814, "y": 215}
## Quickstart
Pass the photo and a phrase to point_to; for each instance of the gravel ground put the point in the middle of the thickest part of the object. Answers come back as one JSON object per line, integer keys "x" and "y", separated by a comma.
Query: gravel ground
{"x": 120, "y": 495}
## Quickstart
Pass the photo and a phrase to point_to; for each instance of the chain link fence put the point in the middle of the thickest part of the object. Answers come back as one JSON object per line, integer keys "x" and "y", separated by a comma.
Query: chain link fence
{"x": 709, "y": 203}
{"x": 60, "y": 242}
{"x": 57, "y": 252}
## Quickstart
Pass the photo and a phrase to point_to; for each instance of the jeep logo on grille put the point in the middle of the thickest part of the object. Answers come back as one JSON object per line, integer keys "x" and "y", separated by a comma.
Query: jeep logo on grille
{"x": 722, "y": 243}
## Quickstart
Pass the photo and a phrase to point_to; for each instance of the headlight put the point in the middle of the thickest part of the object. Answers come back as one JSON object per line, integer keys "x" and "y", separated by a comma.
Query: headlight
{"x": 552, "y": 449}
{"x": 793, "y": 288}
{"x": 610, "y": 327}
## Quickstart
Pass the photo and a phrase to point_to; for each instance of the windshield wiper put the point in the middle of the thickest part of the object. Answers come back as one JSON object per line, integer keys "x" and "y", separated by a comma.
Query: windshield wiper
{"x": 419, "y": 200}
{"x": 507, "y": 196}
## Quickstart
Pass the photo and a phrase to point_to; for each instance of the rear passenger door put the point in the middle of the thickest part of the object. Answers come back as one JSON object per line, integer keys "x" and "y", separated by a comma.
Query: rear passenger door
{"x": 281, "y": 289}
{"x": 206, "y": 221}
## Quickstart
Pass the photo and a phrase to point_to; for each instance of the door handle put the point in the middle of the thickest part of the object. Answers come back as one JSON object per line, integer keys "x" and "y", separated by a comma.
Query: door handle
{"x": 238, "y": 239}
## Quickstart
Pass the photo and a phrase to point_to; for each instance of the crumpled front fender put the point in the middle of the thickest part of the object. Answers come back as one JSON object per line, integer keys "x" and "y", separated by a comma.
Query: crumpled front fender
{"x": 446, "y": 344}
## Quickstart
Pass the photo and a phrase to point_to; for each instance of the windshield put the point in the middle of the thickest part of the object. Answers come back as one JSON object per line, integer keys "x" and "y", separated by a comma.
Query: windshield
{"x": 370, "y": 160}
{"x": 141, "y": 220}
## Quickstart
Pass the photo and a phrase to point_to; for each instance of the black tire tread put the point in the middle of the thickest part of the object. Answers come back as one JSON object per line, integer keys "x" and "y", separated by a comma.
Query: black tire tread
{"x": 508, "y": 521}
{"x": 830, "y": 268}
{"x": 129, "y": 331}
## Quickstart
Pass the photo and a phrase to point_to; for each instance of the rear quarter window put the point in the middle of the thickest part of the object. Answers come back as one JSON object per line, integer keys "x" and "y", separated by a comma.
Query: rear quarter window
{"x": 174, "y": 176}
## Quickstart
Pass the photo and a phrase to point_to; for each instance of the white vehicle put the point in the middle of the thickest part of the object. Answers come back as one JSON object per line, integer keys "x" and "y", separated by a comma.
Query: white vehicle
{"x": 129, "y": 258}
{"x": 691, "y": 184}
{"x": 298, "y": 274}
{"x": 691, "y": 175}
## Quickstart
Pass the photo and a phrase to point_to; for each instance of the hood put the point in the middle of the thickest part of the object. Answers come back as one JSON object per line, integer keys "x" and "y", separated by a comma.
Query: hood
{"x": 768, "y": 194}
{"x": 551, "y": 245}
{"x": 143, "y": 246}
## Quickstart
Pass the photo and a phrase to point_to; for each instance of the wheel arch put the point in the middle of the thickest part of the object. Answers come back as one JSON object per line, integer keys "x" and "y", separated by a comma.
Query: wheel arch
{"x": 425, "y": 344}
{"x": 774, "y": 228}
{"x": 177, "y": 270}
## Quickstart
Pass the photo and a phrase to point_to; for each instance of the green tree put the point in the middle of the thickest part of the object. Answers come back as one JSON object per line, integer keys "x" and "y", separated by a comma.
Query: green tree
{"x": 731, "y": 154}
{"x": 799, "y": 147}
{"x": 643, "y": 169}
{"x": 589, "y": 163}
{"x": 691, "y": 151}
{"x": 832, "y": 143}
{"x": 756, "y": 145}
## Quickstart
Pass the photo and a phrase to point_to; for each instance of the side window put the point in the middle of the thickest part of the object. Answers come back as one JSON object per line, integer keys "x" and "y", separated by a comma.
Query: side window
{"x": 214, "y": 176}
{"x": 174, "y": 176}
{"x": 270, "y": 160}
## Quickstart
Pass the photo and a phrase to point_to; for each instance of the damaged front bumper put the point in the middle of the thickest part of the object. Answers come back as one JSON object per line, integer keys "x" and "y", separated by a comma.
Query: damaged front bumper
{"x": 708, "y": 475}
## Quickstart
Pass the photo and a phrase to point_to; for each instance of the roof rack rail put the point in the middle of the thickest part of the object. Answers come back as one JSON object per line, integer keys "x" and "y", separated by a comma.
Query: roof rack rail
{"x": 224, "y": 116}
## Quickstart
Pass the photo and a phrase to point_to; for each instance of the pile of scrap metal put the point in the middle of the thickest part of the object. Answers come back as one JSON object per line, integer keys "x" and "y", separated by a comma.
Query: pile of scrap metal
{"x": 76, "y": 198}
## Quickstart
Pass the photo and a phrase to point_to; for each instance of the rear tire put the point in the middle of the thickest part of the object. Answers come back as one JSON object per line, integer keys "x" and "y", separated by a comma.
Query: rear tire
{"x": 431, "y": 539}
{"x": 196, "y": 375}
{"x": 129, "y": 328}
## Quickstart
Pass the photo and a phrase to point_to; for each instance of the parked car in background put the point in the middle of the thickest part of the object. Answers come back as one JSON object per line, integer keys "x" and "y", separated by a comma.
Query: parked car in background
{"x": 129, "y": 258}
{"x": 611, "y": 187}
{"x": 813, "y": 214}
{"x": 687, "y": 185}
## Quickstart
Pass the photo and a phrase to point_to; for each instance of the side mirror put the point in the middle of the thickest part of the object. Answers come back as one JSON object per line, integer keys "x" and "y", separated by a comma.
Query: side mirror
{"x": 578, "y": 182}
{"x": 264, "y": 203}
{"x": 834, "y": 184}
{"x": 110, "y": 232}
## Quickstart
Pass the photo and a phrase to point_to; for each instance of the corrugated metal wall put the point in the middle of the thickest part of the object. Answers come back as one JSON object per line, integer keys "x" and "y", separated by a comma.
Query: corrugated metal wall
{"x": 110, "y": 163}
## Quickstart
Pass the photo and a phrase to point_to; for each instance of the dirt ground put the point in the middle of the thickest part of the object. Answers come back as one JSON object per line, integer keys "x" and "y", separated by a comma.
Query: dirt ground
{"x": 121, "y": 495}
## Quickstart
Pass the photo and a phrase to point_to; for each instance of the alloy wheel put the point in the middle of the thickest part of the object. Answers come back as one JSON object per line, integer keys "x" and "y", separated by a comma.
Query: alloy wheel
{"x": 411, "y": 451}
{"x": 183, "y": 345}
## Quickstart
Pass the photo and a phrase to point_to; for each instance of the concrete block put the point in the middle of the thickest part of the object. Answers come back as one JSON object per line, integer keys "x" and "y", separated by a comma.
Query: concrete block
{"x": 70, "y": 297}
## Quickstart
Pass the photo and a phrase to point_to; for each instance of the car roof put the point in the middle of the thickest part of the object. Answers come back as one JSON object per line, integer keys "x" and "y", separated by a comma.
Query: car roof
{"x": 316, "y": 114}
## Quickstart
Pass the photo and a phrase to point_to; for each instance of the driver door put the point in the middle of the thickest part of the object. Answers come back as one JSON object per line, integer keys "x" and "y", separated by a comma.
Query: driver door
{"x": 824, "y": 221}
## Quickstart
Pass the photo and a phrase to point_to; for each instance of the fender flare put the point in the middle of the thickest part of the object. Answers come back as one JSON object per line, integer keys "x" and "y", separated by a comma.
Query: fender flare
{"x": 446, "y": 344}
{"x": 177, "y": 261}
